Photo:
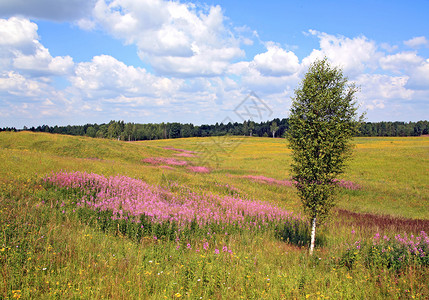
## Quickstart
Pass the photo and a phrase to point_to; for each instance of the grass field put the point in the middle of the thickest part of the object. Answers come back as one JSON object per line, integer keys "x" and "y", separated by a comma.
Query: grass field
{"x": 53, "y": 245}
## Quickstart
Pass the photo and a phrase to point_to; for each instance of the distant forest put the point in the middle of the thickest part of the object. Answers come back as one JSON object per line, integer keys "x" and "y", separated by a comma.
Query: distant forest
{"x": 275, "y": 128}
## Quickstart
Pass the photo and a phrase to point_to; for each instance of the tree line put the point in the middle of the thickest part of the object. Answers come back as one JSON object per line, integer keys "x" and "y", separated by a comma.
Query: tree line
{"x": 275, "y": 128}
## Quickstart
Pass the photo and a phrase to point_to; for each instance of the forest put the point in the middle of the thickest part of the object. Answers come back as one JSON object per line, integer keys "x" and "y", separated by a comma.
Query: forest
{"x": 275, "y": 128}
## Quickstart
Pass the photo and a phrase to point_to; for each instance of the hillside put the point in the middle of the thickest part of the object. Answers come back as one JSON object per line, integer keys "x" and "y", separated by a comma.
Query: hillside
{"x": 392, "y": 171}
{"x": 220, "y": 219}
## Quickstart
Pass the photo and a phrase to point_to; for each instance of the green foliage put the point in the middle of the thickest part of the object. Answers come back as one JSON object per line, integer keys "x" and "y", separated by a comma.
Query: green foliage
{"x": 322, "y": 123}
{"x": 175, "y": 131}
{"x": 297, "y": 233}
{"x": 135, "y": 131}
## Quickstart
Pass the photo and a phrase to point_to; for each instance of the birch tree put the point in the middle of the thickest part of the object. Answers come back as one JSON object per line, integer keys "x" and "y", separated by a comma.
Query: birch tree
{"x": 274, "y": 128}
{"x": 323, "y": 119}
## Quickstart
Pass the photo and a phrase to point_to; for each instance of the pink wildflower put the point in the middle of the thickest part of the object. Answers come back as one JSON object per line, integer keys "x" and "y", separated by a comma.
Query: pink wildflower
{"x": 198, "y": 169}
{"x": 205, "y": 245}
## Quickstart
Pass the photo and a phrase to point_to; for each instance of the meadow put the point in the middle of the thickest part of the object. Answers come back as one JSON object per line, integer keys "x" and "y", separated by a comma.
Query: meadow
{"x": 206, "y": 218}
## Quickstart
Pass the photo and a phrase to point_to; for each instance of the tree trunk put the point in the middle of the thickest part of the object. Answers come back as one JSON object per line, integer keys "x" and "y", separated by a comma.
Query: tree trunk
{"x": 274, "y": 133}
{"x": 313, "y": 235}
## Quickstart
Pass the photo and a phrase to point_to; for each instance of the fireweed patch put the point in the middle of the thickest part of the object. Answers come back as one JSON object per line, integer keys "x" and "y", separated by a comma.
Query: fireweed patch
{"x": 391, "y": 252}
{"x": 269, "y": 180}
{"x": 137, "y": 208}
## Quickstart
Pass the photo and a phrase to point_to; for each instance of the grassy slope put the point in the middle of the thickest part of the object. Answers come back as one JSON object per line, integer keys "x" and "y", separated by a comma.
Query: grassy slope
{"x": 394, "y": 172}
{"x": 50, "y": 255}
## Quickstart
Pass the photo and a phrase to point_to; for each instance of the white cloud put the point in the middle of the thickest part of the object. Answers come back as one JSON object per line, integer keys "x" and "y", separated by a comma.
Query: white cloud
{"x": 17, "y": 33}
{"x": 373, "y": 104}
{"x": 26, "y": 72}
{"x": 205, "y": 62}
{"x": 21, "y": 51}
{"x": 105, "y": 76}
{"x": 384, "y": 96}
{"x": 42, "y": 63}
{"x": 400, "y": 61}
{"x": 411, "y": 65}
{"x": 417, "y": 42}
{"x": 276, "y": 61}
{"x": 275, "y": 71}
{"x": 15, "y": 84}
{"x": 177, "y": 39}
{"x": 419, "y": 78}
{"x": 383, "y": 87}
{"x": 354, "y": 56}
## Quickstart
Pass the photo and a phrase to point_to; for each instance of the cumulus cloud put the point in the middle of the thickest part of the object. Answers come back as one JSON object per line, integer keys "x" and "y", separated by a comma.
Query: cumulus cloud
{"x": 27, "y": 70}
{"x": 56, "y": 10}
{"x": 105, "y": 75}
{"x": 419, "y": 78}
{"x": 411, "y": 65}
{"x": 42, "y": 63}
{"x": 382, "y": 88}
{"x": 354, "y": 55}
{"x": 417, "y": 42}
{"x": 21, "y": 51}
{"x": 400, "y": 61}
{"x": 252, "y": 79}
{"x": 275, "y": 71}
{"x": 17, "y": 33}
{"x": 177, "y": 39}
{"x": 276, "y": 61}
{"x": 15, "y": 84}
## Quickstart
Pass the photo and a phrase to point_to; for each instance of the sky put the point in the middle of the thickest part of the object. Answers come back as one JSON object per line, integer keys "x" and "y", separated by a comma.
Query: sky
{"x": 73, "y": 62}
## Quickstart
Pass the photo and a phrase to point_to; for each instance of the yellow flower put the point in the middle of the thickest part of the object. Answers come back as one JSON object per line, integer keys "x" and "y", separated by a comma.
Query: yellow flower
{"x": 16, "y": 294}
{"x": 178, "y": 295}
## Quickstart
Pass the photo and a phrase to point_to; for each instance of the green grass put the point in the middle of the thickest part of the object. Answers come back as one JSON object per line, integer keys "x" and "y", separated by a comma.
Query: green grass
{"x": 45, "y": 254}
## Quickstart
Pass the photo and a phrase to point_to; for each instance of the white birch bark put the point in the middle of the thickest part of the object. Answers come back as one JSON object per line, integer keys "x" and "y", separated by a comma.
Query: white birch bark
{"x": 313, "y": 235}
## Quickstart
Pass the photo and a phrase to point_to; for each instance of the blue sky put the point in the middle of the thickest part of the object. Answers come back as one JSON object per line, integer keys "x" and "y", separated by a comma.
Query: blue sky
{"x": 148, "y": 61}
